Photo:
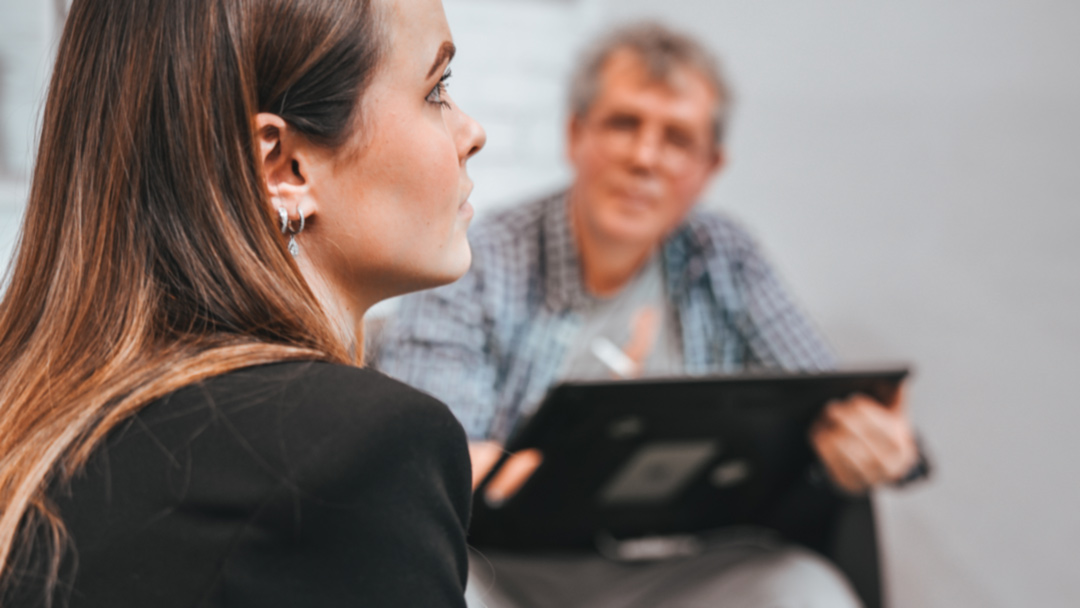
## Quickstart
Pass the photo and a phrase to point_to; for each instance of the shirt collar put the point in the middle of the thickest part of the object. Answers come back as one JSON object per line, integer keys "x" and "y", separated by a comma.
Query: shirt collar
{"x": 683, "y": 255}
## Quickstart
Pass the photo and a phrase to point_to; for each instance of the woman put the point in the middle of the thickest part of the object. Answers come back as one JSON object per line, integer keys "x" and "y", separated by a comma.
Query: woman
{"x": 222, "y": 189}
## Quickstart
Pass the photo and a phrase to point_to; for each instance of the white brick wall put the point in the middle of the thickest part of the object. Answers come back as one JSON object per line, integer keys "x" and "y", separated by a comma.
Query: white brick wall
{"x": 26, "y": 45}
{"x": 26, "y": 42}
{"x": 514, "y": 59}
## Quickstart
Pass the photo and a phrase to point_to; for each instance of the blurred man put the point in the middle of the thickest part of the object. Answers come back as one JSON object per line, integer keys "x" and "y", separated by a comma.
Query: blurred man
{"x": 621, "y": 259}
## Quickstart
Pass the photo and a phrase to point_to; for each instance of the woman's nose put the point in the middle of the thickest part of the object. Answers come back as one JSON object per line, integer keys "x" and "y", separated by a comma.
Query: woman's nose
{"x": 472, "y": 139}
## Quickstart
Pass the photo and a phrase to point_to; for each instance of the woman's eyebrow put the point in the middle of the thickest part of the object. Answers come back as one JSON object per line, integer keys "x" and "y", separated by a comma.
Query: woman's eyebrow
{"x": 446, "y": 53}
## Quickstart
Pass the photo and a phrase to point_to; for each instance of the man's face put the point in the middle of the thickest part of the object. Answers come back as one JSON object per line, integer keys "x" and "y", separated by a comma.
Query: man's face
{"x": 643, "y": 152}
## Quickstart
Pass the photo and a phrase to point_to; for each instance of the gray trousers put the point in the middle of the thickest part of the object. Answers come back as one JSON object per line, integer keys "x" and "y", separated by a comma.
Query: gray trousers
{"x": 736, "y": 574}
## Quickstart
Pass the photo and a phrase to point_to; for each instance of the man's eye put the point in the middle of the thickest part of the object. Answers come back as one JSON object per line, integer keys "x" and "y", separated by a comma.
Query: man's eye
{"x": 680, "y": 139}
{"x": 622, "y": 123}
{"x": 436, "y": 94}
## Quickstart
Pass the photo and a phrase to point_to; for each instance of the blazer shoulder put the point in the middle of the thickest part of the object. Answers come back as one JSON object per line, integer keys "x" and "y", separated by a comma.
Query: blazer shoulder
{"x": 316, "y": 422}
{"x": 348, "y": 401}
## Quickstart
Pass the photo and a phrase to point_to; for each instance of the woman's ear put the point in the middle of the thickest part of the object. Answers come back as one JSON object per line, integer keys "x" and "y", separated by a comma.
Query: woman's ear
{"x": 284, "y": 166}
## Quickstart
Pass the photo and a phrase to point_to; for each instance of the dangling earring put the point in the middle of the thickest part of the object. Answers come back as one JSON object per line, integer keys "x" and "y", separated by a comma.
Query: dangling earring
{"x": 293, "y": 248}
{"x": 287, "y": 228}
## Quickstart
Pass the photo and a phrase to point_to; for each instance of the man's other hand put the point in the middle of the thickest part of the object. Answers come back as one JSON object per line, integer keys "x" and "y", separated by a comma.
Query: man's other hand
{"x": 864, "y": 443}
{"x": 484, "y": 455}
{"x": 513, "y": 474}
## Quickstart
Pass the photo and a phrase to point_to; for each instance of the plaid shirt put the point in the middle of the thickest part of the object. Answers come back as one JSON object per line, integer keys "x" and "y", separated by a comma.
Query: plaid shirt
{"x": 493, "y": 343}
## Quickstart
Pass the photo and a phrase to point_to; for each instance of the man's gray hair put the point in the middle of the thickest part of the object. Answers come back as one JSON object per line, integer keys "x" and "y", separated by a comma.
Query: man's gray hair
{"x": 663, "y": 50}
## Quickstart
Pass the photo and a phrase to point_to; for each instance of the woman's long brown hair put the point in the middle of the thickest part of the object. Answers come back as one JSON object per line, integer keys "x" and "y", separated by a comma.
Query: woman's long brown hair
{"x": 149, "y": 256}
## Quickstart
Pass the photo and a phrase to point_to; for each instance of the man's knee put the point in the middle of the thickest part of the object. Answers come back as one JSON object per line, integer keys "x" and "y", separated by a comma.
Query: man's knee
{"x": 791, "y": 577}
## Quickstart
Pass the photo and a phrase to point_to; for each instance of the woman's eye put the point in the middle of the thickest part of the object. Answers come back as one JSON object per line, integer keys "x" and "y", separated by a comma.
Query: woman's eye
{"x": 436, "y": 94}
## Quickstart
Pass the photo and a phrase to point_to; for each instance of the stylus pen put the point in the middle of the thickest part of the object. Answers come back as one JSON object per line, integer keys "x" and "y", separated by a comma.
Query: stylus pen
{"x": 613, "y": 357}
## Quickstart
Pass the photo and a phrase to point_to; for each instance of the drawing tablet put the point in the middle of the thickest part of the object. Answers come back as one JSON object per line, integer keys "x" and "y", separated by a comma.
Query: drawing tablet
{"x": 634, "y": 458}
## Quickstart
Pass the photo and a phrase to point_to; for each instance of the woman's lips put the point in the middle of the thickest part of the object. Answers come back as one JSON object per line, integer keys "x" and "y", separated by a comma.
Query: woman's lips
{"x": 466, "y": 209}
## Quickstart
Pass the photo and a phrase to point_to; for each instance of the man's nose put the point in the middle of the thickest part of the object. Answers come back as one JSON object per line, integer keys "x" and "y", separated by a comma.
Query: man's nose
{"x": 645, "y": 151}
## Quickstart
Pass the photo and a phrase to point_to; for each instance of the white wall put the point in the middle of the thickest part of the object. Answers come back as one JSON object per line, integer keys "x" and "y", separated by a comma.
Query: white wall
{"x": 510, "y": 72}
{"x": 911, "y": 167}
{"x": 26, "y": 43}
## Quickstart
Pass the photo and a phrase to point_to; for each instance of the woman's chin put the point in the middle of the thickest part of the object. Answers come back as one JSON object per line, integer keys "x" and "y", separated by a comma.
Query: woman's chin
{"x": 459, "y": 264}
{"x": 450, "y": 269}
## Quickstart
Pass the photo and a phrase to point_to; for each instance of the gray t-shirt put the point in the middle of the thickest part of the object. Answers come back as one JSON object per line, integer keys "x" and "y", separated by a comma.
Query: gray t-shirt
{"x": 612, "y": 320}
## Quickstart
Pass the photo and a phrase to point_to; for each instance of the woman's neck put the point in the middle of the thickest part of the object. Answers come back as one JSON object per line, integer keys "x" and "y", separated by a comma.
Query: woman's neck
{"x": 346, "y": 314}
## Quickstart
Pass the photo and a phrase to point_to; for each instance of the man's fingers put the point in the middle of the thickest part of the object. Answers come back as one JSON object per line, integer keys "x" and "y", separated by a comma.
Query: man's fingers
{"x": 643, "y": 333}
{"x": 868, "y": 465}
{"x": 876, "y": 438}
{"x": 866, "y": 419}
{"x": 483, "y": 455}
{"x": 841, "y": 469}
{"x": 894, "y": 439}
{"x": 513, "y": 474}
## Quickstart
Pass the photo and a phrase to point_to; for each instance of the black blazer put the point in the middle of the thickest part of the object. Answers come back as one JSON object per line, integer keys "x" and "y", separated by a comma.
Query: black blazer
{"x": 293, "y": 484}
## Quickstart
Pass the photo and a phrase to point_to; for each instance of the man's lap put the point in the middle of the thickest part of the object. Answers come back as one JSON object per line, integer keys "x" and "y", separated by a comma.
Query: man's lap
{"x": 736, "y": 574}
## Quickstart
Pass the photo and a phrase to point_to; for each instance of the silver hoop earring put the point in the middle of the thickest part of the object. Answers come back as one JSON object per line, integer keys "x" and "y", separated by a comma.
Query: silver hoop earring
{"x": 293, "y": 248}
{"x": 284, "y": 216}
{"x": 301, "y": 228}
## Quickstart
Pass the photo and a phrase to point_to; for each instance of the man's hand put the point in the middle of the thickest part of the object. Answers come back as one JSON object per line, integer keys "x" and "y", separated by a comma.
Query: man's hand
{"x": 511, "y": 476}
{"x": 520, "y": 466}
{"x": 863, "y": 443}
{"x": 484, "y": 455}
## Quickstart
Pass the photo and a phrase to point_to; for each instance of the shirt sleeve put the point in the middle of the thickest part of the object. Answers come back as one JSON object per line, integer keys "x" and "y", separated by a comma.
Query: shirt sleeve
{"x": 440, "y": 341}
{"x": 777, "y": 332}
{"x": 780, "y": 335}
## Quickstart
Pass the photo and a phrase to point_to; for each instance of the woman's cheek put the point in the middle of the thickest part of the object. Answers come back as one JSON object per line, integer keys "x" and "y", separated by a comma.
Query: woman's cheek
{"x": 445, "y": 185}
